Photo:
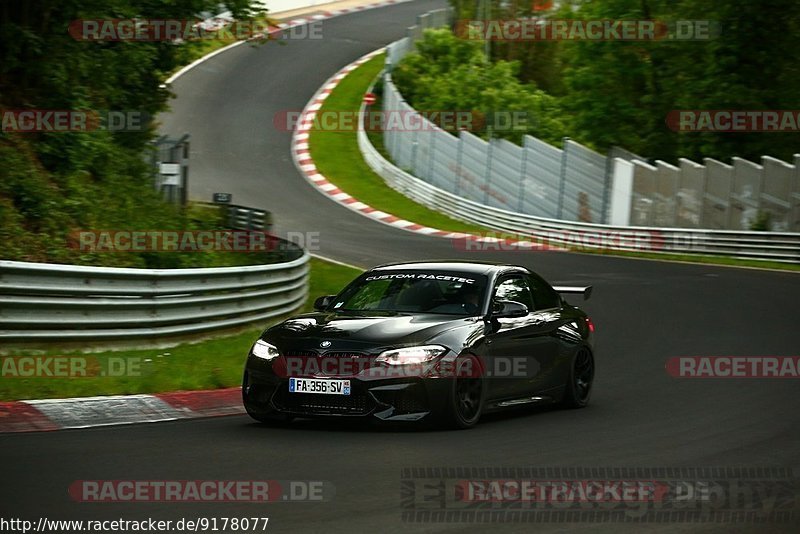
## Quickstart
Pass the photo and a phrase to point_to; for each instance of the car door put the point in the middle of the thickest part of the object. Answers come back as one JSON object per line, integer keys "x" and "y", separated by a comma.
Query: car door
{"x": 550, "y": 318}
{"x": 521, "y": 350}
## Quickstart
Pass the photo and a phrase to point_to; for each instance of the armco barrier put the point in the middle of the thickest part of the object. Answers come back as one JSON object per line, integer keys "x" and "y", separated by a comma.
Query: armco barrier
{"x": 51, "y": 302}
{"x": 782, "y": 247}
{"x": 242, "y": 217}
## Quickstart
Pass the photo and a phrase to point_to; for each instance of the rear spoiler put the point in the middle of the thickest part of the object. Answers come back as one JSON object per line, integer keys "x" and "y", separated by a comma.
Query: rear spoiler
{"x": 586, "y": 291}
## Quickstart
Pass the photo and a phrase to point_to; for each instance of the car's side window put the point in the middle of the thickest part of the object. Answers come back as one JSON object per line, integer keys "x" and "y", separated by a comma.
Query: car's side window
{"x": 514, "y": 288}
{"x": 544, "y": 296}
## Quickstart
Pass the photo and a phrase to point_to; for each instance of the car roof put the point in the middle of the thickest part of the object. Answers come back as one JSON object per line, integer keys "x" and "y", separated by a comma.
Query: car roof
{"x": 485, "y": 268}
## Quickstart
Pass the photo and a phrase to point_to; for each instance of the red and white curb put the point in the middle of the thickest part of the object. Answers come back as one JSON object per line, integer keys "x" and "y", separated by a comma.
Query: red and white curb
{"x": 305, "y": 164}
{"x": 85, "y": 412}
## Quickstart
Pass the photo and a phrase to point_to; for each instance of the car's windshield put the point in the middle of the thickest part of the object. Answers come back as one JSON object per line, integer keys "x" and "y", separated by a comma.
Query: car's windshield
{"x": 443, "y": 292}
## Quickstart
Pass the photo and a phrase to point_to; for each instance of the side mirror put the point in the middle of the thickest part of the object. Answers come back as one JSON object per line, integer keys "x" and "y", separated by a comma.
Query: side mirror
{"x": 322, "y": 303}
{"x": 508, "y": 308}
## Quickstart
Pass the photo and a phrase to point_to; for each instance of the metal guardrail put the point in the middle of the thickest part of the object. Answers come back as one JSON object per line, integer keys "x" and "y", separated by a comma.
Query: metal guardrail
{"x": 244, "y": 218}
{"x": 249, "y": 218}
{"x": 52, "y": 302}
{"x": 781, "y": 247}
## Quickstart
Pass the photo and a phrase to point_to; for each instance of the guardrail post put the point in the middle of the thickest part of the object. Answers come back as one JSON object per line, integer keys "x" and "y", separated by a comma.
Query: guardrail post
{"x": 563, "y": 184}
{"x": 523, "y": 170}
{"x": 761, "y": 189}
{"x": 434, "y": 135}
{"x": 414, "y": 144}
{"x": 459, "y": 157}
{"x": 185, "y": 172}
{"x": 609, "y": 180}
{"x": 487, "y": 179}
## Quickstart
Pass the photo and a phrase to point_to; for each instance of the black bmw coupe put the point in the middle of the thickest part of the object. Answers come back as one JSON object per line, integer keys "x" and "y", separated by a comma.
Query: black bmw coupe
{"x": 437, "y": 341}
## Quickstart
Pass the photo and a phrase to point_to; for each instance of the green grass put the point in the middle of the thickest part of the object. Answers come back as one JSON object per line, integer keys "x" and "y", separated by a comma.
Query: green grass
{"x": 337, "y": 156}
{"x": 210, "y": 364}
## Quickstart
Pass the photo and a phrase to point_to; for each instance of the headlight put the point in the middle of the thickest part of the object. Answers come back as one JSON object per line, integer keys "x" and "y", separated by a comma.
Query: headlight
{"x": 264, "y": 350}
{"x": 411, "y": 355}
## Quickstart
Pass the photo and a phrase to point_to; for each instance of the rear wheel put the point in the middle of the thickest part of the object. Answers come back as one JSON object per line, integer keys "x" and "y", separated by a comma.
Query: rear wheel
{"x": 581, "y": 376}
{"x": 465, "y": 404}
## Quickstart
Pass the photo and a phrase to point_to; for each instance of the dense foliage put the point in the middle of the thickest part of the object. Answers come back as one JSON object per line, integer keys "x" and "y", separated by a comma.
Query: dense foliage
{"x": 606, "y": 93}
{"x": 57, "y": 182}
{"x": 448, "y": 74}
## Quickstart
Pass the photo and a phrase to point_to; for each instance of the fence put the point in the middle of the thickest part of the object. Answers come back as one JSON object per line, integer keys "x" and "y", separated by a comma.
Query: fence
{"x": 574, "y": 183}
{"x": 781, "y": 247}
{"x": 50, "y": 302}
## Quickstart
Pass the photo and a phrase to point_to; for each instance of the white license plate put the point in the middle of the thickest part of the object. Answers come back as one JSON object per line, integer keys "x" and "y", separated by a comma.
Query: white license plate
{"x": 319, "y": 385}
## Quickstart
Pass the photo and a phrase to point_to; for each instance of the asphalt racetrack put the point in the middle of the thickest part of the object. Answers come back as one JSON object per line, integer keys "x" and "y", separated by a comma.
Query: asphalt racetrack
{"x": 645, "y": 312}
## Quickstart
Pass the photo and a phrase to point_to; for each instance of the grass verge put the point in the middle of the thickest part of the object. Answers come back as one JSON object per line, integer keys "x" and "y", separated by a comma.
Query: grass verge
{"x": 210, "y": 364}
{"x": 337, "y": 156}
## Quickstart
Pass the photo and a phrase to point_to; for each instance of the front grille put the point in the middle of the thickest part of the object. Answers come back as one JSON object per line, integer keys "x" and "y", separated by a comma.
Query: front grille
{"x": 334, "y": 364}
{"x": 314, "y": 403}
{"x": 302, "y": 354}
{"x": 342, "y": 354}
{"x": 329, "y": 354}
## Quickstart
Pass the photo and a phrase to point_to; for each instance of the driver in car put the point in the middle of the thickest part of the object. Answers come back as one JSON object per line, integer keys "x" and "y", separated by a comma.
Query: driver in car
{"x": 469, "y": 297}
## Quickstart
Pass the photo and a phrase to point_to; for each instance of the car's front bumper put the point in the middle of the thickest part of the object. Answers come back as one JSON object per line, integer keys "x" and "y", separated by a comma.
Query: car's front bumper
{"x": 264, "y": 393}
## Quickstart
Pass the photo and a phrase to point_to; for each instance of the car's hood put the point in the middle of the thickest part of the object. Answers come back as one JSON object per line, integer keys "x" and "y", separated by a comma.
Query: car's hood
{"x": 349, "y": 332}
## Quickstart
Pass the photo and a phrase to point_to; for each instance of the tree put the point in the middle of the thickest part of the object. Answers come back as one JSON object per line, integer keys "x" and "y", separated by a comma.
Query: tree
{"x": 53, "y": 182}
{"x": 451, "y": 74}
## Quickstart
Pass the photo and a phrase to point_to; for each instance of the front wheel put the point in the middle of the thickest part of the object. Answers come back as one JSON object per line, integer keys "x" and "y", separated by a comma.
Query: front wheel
{"x": 581, "y": 376}
{"x": 465, "y": 404}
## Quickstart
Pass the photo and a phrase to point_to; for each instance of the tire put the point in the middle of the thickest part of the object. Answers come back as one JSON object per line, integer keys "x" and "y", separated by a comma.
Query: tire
{"x": 578, "y": 390}
{"x": 466, "y": 395}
